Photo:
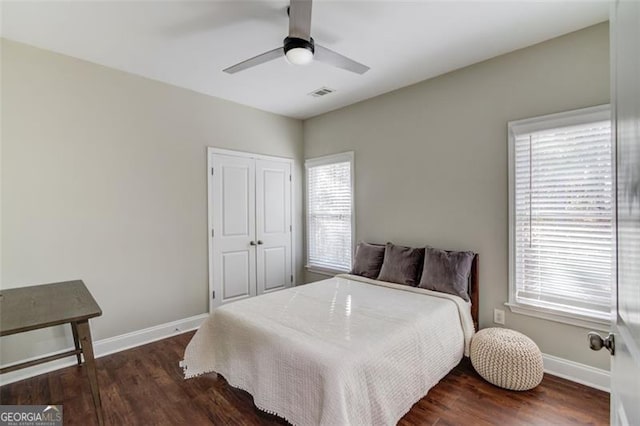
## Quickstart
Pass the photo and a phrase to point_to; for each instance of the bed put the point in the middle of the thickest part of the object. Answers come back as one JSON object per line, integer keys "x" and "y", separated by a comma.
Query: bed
{"x": 346, "y": 350}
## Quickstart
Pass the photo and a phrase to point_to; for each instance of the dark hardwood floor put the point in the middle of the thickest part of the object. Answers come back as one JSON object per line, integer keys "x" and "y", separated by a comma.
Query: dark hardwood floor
{"x": 144, "y": 386}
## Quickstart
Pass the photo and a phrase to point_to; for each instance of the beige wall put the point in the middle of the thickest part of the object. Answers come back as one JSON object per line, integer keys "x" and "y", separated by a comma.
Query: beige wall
{"x": 103, "y": 176}
{"x": 104, "y": 179}
{"x": 431, "y": 160}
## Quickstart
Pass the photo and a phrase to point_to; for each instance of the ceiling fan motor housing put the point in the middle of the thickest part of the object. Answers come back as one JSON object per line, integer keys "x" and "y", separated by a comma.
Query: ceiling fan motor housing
{"x": 299, "y": 51}
{"x": 294, "y": 42}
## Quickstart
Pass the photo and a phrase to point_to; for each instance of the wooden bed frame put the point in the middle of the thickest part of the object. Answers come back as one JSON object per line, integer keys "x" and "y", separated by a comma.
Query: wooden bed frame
{"x": 474, "y": 291}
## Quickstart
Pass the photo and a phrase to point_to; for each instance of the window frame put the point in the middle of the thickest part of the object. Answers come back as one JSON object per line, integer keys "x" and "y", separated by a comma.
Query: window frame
{"x": 529, "y": 125}
{"x": 322, "y": 161}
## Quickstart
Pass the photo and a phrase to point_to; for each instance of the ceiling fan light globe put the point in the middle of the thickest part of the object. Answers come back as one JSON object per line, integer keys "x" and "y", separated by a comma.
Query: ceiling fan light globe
{"x": 299, "y": 56}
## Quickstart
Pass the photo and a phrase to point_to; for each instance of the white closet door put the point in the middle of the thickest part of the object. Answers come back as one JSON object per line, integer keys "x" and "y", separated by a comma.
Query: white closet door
{"x": 233, "y": 220}
{"x": 273, "y": 225}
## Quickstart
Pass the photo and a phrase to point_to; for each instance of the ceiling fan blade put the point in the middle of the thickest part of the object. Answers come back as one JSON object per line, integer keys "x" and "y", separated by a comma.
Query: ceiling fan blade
{"x": 300, "y": 19}
{"x": 330, "y": 57}
{"x": 256, "y": 60}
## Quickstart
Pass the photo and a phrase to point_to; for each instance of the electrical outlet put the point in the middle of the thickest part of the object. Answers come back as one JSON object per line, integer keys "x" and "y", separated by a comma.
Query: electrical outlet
{"x": 498, "y": 316}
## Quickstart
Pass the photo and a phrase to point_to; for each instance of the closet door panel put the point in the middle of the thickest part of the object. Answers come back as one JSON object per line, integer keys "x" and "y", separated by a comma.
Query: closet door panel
{"x": 273, "y": 225}
{"x": 236, "y": 203}
{"x": 235, "y": 274}
{"x": 275, "y": 268}
{"x": 233, "y": 218}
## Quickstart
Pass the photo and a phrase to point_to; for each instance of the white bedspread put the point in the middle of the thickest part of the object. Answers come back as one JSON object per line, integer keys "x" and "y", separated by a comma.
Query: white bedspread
{"x": 343, "y": 351}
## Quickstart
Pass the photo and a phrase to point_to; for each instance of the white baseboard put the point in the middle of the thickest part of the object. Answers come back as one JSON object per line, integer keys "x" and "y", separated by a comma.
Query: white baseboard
{"x": 576, "y": 372}
{"x": 110, "y": 345}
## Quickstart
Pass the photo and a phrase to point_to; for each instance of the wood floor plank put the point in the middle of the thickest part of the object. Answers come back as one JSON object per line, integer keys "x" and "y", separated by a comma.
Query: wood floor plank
{"x": 144, "y": 385}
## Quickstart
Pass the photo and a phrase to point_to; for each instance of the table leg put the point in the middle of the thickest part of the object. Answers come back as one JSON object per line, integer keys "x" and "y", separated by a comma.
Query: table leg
{"x": 84, "y": 335}
{"x": 76, "y": 342}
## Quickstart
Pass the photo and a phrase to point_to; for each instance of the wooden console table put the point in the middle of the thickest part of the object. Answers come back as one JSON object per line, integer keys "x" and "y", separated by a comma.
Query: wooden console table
{"x": 30, "y": 308}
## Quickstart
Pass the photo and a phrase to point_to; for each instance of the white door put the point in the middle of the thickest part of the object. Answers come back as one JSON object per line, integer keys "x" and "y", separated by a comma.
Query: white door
{"x": 273, "y": 225}
{"x": 625, "y": 365}
{"x": 232, "y": 210}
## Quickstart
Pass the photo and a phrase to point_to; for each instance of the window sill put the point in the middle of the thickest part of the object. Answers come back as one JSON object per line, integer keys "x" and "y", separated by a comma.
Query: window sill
{"x": 562, "y": 317}
{"x": 324, "y": 271}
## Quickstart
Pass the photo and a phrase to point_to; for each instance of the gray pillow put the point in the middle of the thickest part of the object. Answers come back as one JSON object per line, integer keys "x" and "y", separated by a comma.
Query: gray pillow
{"x": 368, "y": 260}
{"x": 447, "y": 271}
{"x": 402, "y": 265}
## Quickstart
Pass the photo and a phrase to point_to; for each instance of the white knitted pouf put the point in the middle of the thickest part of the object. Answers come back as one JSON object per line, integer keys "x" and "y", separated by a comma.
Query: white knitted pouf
{"x": 507, "y": 358}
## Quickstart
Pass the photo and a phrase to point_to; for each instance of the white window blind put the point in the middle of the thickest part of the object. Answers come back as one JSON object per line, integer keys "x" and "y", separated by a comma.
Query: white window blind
{"x": 562, "y": 231}
{"x": 329, "y": 212}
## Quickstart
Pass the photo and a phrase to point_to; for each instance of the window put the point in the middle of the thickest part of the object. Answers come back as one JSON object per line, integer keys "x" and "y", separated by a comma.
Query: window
{"x": 561, "y": 216}
{"x": 330, "y": 212}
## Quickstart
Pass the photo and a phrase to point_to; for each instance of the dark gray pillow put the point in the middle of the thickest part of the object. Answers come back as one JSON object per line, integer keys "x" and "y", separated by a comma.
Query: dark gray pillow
{"x": 447, "y": 271}
{"x": 402, "y": 265}
{"x": 368, "y": 260}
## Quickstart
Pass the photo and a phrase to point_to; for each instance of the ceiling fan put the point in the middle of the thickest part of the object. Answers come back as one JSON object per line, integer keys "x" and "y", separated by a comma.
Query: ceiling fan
{"x": 299, "y": 47}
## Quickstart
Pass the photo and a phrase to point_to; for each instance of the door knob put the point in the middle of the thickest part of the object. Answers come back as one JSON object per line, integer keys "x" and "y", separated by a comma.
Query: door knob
{"x": 253, "y": 243}
{"x": 596, "y": 342}
{"x": 260, "y": 242}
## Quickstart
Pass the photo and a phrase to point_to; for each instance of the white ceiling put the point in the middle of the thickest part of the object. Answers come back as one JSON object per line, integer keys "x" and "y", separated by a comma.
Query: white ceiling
{"x": 188, "y": 43}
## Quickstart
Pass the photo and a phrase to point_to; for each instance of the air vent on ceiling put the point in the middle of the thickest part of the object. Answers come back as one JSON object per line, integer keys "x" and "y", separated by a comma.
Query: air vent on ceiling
{"x": 323, "y": 91}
